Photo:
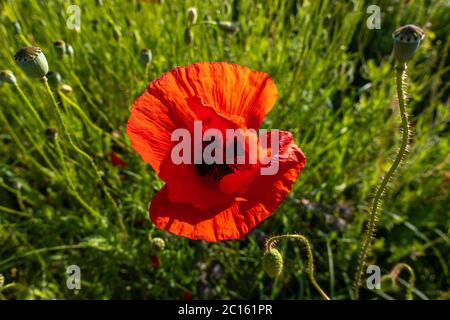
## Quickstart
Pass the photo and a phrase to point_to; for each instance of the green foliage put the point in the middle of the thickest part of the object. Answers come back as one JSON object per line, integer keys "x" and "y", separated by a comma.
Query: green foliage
{"x": 337, "y": 89}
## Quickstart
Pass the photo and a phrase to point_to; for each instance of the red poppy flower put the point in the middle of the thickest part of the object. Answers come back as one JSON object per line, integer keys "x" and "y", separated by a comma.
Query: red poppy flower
{"x": 156, "y": 263}
{"x": 187, "y": 295}
{"x": 217, "y": 201}
{"x": 116, "y": 160}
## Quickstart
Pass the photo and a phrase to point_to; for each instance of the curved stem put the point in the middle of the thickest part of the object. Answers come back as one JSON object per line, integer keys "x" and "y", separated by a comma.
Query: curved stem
{"x": 84, "y": 154}
{"x": 369, "y": 233}
{"x": 30, "y": 106}
{"x": 271, "y": 243}
{"x": 89, "y": 121}
{"x": 412, "y": 278}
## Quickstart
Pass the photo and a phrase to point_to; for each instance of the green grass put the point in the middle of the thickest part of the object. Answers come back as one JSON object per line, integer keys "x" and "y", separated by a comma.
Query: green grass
{"x": 337, "y": 95}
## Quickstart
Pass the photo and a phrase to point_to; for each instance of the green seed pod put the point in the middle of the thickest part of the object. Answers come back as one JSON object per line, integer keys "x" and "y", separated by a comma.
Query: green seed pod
{"x": 32, "y": 61}
{"x": 146, "y": 57}
{"x": 51, "y": 133}
{"x": 7, "y": 76}
{"x": 54, "y": 79}
{"x": 65, "y": 88}
{"x": 406, "y": 41}
{"x": 192, "y": 15}
{"x": 60, "y": 48}
{"x": 228, "y": 26}
{"x": 69, "y": 50}
{"x": 157, "y": 244}
{"x": 17, "y": 27}
{"x": 272, "y": 262}
{"x": 188, "y": 36}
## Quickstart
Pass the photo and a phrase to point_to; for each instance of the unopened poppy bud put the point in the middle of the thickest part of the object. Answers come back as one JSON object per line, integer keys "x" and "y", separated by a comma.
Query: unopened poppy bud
{"x": 17, "y": 27}
{"x": 65, "y": 88}
{"x": 145, "y": 57}
{"x": 69, "y": 50}
{"x": 406, "y": 41}
{"x": 54, "y": 79}
{"x": 192, "y": 15}
{"x": 51, "y": 133}
{"x": 272, "y": 262}
{"x": 32, "y": 61}
{"x": 60, "y": 48}
{"x": 7, "y": 76}
{"x": 188, "y": 36}
{"x": 157, "y": 244}
{"x": 228, "y": 26}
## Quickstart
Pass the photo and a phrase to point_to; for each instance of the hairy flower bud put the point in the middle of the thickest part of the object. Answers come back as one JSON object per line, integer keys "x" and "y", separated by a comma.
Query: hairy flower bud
{"x": 7, "y": 76}
{"x": 65, "y": 88}
{"x": 32, "y": 61}
{"x": 54, "y": 79}
{"x": 406, "y": 41}
{"x": 60, "y": 48}
{"x": 146, "y": 57}
{"x": 228, "y": 26}
{"x": 272, "y": 262}
{"x": 157, "y": 244}
{"x": 188, "y": 36}
{"x": 17, "y": 27}
{"x": 69, "y": 50}
{"x": 51, "y": 133}
{"x": 192, "y": 15}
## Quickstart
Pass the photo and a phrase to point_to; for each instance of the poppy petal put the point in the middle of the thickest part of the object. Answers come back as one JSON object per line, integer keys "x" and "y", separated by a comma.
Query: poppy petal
{"x": 150, "y": 127}
{"x": 270, "y": 190}
{"x": 235, "y": 219}
{"x": 184, "y": 219}
{"x": 231, "y": 89}
{"x": 234, "y": 91}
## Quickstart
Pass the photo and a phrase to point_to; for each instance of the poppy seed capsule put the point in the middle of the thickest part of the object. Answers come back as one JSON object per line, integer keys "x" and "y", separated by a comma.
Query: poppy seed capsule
{"x": 188, "y": 36}
{"x": 69, "y": 50}
{"x": 7, "y": 76}
{"x": 192, "y": 15}
{"x": 157, "y": 244}
{"x": 60, "y": 48}
{"x": 54, "y": 78}
{"x": 406, "y": 41}
{"x": 65, "y": 88}
{"x": 272, "y": 262}
{"x": 228, "y": 26}
{"x": 32, "y": 61}
{"x": 51, "y": 133}
{"x": 17, "y": 27}
{"x": 145, "y": 57}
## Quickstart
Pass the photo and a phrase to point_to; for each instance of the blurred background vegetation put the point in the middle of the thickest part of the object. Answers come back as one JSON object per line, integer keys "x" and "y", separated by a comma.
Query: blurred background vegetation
{"x": 336, "y": 82}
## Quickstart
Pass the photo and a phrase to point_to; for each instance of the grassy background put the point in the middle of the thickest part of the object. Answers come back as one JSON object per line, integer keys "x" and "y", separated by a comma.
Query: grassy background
{"x": 336, "y": 84}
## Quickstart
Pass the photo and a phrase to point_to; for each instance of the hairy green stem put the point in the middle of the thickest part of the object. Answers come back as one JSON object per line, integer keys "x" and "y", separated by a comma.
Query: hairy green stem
{"x": 22, "y": 147}
{"x": 412, "y": 278}
{"x": 83, "y": 154}
{"x": 369, "y": 233}
{"x": 270, "y": 244}
{"x": 30, "y": 106}
{"x": 94, "y": 212}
